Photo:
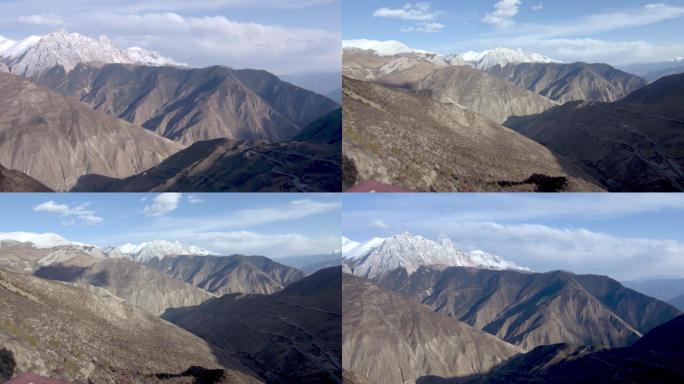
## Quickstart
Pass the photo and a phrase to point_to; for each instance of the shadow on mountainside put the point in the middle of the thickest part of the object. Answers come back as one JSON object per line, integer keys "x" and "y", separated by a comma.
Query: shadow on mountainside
{"x": 289, "y": 337}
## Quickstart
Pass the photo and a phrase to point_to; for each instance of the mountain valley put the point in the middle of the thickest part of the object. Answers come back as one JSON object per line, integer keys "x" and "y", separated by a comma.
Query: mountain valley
{"x": 398, "y": 138}
{"x": 229, "y": 129}
{"x": 111, "y": 302}
{"x": 414, "y": 305}
{"x": 621, "y": 131}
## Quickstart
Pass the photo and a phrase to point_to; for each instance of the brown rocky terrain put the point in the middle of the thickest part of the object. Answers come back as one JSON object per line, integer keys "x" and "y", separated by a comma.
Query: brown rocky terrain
{"x": 56, "y": 139}
{"x": 63, "y": 331}
{"x": 229, "y": 274}
{"x": 311, "y": 162}
{"x": 15, "y": 181}
{"x": 292, "y": 336}
{"x": 633, "y": 145}
{"x": 189, "y": 105}
{"x": 483, "y": 93}
{"x": 655, "y": 358}
{"x": 402, "y": 71}
{"x": 140, "y": 286}
{"x": 414, "y": 142}
{"x": 388, "y": 338}
{"x": 25, "y": 258}
{"x": 571, "y": 82}
{"x": 534, "y": 309}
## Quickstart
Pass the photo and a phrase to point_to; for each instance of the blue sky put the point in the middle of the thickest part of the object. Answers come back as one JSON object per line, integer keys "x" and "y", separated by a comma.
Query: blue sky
{"x": 620, "y": 235}
{"x": 615, "y": 32}
{"x": 282, "y": 36}
{"x": 274, "y": 225}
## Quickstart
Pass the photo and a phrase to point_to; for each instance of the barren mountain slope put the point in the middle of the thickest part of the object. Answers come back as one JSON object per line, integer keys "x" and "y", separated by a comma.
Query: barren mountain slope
{"x": 58, "y": 330}
{"x": 403, "y": 70}
{"x": 292, "y": 336}
{"x": 190, "y": 105}
{"x": 56, "y": 139}
{"x": 140, "y": 286}
{"x": 223, "y": 165}
{"x": 229, "y": 274}
{"x": 634, "y": 145}
{"x": 417, "y": 143}
{"x": 485, "y": 94}
{"x": 15, "y": 181}
{"x": 655, "y": 358}
{"x": 571, "y": 82}
{"x": 532, "y": 309}
{"x": 391, "y": 339}
{"x": 26, "y": 258}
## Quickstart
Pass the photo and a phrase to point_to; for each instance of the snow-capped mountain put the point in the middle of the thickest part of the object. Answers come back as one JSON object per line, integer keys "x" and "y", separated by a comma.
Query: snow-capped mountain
{"x": 481, "y": 60}
{"x": 381, "y": 48}
{"x": 36, "y": 54}
{"x": 499, "y": 56}
{"x": 378, "y": 256}
{"x": 159, "y": 249}
{"x": 39, "y": 240}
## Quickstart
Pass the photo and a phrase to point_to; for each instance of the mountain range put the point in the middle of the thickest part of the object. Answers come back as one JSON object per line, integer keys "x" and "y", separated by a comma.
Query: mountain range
{"x": 388, "y": 338}
{"x": 140, "y": 109}
{"x": 412, "y": 141}
{"x": 629, "y": 145}
{"x": 223, "y": 165}
{"x": 668, "y": 289}
{"x": 378, "y": 256}
{"x": 56, "y": 139}
{"x": 34, "y": 55}
{"x": 655, "y": 358}
{"x": 414, "y": 318}
{"x": 619, "y": 130}
{"x": 571, "y": 82}
{"x": 119, "y": 294}
{"x": 60, "y": 330}
{"x": 299, "y": 326}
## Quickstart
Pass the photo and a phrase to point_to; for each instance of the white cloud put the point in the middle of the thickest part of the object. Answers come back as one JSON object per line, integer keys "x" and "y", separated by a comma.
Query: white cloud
{"x": 163, "y": 204}
{"x": 502, "y": 17}
{"x": 413, "y": 12}
{"x": 295, "y": 209}
{"x": 379, "y": 224}
{"x": 53, "y": 21}
{"x": 576, "y": 249}
{"x": 270, "y": 245}
{"x": 538, "y": 7}
{"x": 82, "y": 212}
{"x": 424, "y": 27}
{"x": 194, "y": 199}
{"x": 213, "y": 40}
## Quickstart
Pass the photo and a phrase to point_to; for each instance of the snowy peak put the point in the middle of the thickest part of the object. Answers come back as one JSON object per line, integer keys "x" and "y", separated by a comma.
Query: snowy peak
{"x": 38, "y": 240}
{"x": 488, "y": 59}
{"x": 159, "y": 249}
{"x": 381, "y": 48}
{"x": 484, "y": 60}
{"x": 379, "y": 256}
{"x": 36, "y": 54}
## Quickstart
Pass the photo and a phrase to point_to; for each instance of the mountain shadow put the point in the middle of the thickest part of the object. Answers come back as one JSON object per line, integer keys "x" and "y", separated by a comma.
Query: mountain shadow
{"x": 291, "y": 336}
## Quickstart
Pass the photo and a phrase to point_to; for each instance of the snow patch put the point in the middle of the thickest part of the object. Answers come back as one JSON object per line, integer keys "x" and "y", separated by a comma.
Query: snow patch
{"x": 159, "y": 249}
{"x": 39, "y": 240}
